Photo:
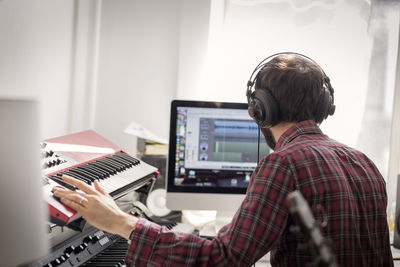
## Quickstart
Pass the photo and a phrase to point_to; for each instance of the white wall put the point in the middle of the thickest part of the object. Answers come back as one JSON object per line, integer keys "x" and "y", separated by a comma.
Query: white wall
{"x": 394, "y": 160}
{"x": 35, "y": 53}
{"x": 193, "y": 47}
{"x": 42, "y": 52}
{"x": 84, "y": 66}
{"x": 138, "y": 61}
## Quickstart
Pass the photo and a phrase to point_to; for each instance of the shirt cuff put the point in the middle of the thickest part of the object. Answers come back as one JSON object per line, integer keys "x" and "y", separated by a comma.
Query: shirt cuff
{"x": 142, "y": 241}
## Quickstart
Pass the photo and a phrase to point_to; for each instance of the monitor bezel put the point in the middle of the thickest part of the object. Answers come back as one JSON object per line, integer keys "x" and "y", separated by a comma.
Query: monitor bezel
{"x": 172, "y": 147}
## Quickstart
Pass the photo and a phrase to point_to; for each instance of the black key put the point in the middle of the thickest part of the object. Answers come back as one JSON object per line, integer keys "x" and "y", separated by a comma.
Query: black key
{"x": 111, "y": 169}
{"x": 122, "y": 160}
{"x": 112, "y": 256}
{"x": 103, "y": 174}
{"x": 85, "y": 173}
{"x": 118, "y": 166}
{"x": 105, "y": 168}
{"x": 79, "y": 172}
{"x": 124, "y": 165}
{"x": 88, "y": 172}
{"x": 63, "y": 183}
{"x": 77, "y": 176}
{"x": 86, "y": 169}
{"x": 128, "y": 157}
{"x": 113, "y": 166}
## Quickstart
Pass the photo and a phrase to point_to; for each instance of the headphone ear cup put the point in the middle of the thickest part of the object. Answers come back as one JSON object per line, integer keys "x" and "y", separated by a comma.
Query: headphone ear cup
{"x": 324, "y": 106}
{"x": 263, "y": 108}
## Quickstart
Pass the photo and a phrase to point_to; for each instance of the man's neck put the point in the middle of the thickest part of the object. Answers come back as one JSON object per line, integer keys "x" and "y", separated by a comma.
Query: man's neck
{"x": 280, "y": 128}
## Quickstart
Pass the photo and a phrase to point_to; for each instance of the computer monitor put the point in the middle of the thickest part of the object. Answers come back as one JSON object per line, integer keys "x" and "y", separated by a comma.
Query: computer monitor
{"x": 213, "y": 150}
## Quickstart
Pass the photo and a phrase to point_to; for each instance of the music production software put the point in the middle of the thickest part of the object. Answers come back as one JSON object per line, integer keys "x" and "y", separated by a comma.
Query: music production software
{"x": 215, "y": 147}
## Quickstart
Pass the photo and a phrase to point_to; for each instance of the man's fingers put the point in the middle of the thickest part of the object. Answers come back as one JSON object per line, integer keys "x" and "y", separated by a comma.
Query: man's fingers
{"x": 60, "y": 192}
{"x": 81, "y": 185}
{"x": 75, "y": 197}
{"x": 58, "y": 188}
{"x": 72, "y": 204}
{"x": 99, "y": 188}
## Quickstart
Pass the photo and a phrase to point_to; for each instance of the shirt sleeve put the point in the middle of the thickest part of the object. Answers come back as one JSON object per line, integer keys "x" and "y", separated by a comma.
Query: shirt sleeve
{"x": 254, "y": 230}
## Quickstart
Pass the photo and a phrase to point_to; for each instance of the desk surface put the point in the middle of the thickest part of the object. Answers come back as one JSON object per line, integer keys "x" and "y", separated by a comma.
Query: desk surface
{"x": 396, "y": 256}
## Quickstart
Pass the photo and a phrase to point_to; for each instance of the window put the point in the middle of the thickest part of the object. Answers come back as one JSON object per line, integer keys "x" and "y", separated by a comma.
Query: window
{"x": 355, "y": 42}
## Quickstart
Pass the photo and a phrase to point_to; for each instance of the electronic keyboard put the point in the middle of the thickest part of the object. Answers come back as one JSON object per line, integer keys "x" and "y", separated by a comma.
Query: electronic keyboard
{"x": 92, "y": 247}
{"x": 87, "y": 156}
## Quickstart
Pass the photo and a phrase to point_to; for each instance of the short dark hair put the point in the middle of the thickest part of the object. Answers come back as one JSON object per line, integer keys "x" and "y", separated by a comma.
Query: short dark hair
{"x": 296, "y": 83}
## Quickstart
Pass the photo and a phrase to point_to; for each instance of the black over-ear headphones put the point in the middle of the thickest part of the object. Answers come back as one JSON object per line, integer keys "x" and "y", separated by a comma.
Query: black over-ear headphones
{"x": 264, "y": 108}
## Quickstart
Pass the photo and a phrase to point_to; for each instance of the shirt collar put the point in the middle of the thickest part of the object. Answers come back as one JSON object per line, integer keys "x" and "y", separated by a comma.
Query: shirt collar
{"x": 300, "y": 128}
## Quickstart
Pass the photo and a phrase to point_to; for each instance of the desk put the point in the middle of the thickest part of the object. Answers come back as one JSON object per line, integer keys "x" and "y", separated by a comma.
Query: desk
{"x": 395, "y": 253}
{"x": 396, "y": 256}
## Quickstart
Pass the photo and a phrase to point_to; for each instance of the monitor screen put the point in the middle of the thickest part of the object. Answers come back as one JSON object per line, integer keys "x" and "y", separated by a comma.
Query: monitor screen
{"x": 213, "y": 151}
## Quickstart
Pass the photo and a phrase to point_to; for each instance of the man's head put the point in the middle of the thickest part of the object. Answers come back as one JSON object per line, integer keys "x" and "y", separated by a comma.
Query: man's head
{"x": 296, "y": 84}
{"x": 290, "y": 88}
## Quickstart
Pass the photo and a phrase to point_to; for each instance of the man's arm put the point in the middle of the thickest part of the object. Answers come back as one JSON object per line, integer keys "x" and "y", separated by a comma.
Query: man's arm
{"x": 256, "y": 227}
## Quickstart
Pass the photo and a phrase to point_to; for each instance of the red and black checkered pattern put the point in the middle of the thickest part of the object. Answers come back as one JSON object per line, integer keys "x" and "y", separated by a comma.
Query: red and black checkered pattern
{"x": 341, "y": 185}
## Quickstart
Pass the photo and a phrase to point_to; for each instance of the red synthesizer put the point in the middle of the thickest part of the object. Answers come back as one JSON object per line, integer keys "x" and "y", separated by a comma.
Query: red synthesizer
{"x": 88, "y": 156}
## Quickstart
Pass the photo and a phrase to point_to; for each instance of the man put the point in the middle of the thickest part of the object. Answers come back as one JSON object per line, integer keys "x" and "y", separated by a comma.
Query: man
{"x": 341, "y": 185}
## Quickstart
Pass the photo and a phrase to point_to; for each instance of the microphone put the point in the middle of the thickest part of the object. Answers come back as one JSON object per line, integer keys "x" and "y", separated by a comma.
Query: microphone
{"x": 309, "y": 227}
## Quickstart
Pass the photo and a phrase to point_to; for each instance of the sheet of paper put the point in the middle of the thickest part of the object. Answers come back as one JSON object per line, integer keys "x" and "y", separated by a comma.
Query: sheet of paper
{"x": 138, "y": 130}
{"x": 79, "y": 148}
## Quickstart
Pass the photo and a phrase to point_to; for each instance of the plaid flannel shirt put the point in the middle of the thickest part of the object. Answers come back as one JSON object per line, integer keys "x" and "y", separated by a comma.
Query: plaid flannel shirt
{"x": 341, "y": 185}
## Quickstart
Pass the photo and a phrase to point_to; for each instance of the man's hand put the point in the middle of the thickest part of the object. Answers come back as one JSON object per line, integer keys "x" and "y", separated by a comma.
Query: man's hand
{"x": 96, "y": 207}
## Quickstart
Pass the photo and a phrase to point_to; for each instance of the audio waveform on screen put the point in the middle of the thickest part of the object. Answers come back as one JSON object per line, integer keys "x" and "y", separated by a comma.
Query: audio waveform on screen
{"x": 235, "y": 126}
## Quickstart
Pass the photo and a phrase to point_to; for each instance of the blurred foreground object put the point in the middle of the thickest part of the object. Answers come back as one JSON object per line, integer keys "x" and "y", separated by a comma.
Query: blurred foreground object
{"x": 22, "y": 224}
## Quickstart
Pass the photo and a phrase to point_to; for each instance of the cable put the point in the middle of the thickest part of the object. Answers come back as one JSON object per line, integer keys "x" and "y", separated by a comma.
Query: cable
{"x": 258, "y": 145}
